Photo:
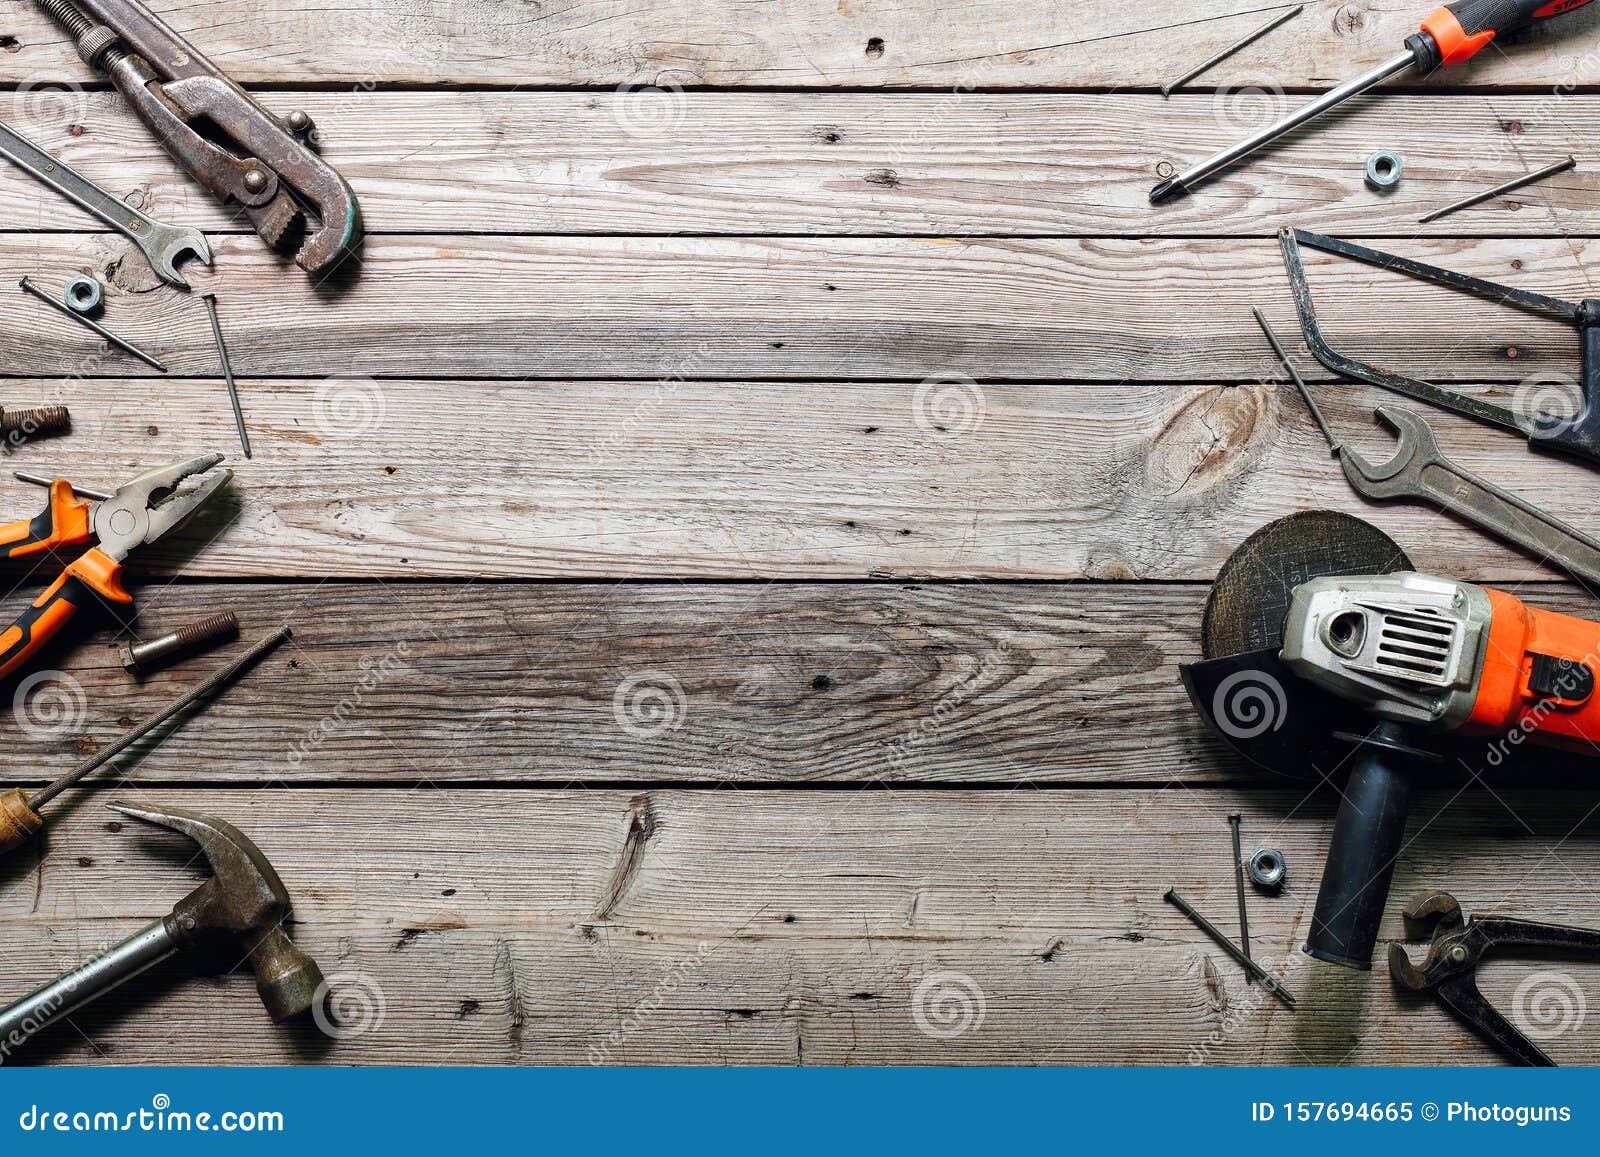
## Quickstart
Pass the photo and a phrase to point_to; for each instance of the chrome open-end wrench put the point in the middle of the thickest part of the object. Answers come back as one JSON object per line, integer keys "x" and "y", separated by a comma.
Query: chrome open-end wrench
{"x": 162, "y": 245}
{"x": 1420, "y": 471}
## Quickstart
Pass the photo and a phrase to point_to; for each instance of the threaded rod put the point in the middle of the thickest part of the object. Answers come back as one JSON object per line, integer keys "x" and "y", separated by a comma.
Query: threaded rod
{"x": 116, "y": 747}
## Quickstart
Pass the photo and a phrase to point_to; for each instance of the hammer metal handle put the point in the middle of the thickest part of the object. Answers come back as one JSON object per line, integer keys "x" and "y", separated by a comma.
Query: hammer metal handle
{"x": 144, "y": 949}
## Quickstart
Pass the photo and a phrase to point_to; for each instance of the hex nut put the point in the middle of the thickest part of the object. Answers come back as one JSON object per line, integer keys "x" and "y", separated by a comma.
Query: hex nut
{"x": 83, "y": 294}
{"x": 1384, "y": 170}
{"x": 1268, "y": 868}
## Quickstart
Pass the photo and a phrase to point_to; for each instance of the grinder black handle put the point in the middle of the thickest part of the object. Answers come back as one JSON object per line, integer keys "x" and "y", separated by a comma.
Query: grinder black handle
{"x": 1366, "y": 841}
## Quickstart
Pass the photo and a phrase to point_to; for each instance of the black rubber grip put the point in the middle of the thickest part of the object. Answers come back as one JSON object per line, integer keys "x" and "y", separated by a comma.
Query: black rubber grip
{"x": 1367, "y": 836}
{"x": 1503, "y": 16}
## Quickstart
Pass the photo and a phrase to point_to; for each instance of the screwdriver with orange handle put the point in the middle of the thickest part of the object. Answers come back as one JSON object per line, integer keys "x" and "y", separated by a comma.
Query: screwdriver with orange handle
{"x": 1450, "y": 35}
{"x": 136, "y": 514}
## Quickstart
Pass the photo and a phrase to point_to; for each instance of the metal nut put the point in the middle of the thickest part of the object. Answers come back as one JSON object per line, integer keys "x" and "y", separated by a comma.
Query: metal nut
{"x": 1384, "y": 170}
{"x": 1267, "y": 868}
{"x": 83, "y": 294}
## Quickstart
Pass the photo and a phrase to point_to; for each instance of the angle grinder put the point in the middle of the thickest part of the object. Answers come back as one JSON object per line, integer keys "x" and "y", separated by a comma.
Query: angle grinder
{"x": 1325, "y": 651}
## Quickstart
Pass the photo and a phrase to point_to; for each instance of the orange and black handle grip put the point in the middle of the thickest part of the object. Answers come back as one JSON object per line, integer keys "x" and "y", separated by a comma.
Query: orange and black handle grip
{"x": 1455, "y": 33}
{"x": 95, "y": 574}
{"x": 64, "y": 522}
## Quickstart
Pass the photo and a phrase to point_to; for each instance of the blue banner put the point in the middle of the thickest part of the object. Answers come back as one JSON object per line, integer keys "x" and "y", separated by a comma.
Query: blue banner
{"x": 1195, "y": 1111}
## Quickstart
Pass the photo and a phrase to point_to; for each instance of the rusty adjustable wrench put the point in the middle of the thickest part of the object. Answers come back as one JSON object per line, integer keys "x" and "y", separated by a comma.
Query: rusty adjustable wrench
{"x": 1420, "y": 471}
{"x": 270, "y": 169}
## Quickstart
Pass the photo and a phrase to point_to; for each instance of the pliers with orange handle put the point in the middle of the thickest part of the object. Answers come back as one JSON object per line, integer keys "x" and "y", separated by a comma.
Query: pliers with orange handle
{"x": 149, "y": 507}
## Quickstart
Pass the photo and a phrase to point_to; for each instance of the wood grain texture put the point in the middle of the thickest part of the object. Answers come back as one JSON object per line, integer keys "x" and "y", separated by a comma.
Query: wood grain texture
{"x": 798, "y": 43}
{"x": 739, "y": 685}
{"x": 753, "y": 480}
{"x": 1163, "y": 310}
{"x": 745, "y": 685}
{"x": 852, "y": 163}
{"x": 784, "y": 928}
{"x": 795, "y": 353}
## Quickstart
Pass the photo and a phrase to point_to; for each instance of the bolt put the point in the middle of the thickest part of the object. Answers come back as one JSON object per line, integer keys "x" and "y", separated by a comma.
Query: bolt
{"x": 139, "y": 658}
{"x": 1458, "y": 954}
{"x": 299, "y": 121}
{"x": 44, "y": 422}
{"x": 254, "y": 180}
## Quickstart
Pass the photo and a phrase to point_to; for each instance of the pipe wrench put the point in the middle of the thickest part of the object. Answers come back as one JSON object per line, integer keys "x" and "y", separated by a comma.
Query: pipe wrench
{"x": 163, "y": 245}
{"x": 246, "y": 155}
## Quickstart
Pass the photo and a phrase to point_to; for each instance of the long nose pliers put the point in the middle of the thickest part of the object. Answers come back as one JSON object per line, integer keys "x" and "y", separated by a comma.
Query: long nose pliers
{"x": 140, "y": 512}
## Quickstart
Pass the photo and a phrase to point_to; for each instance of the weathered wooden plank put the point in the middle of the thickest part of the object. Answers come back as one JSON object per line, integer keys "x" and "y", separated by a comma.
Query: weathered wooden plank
{"x": 732, "y": 684}
{"x": 1165, "y": 310}
{"x": 739, "y": 685}
{"x": 934, "y": 43}
{"x": 751, "y": 480}
{"x": 758, "y": 162}
{"x": 787, "y": 927}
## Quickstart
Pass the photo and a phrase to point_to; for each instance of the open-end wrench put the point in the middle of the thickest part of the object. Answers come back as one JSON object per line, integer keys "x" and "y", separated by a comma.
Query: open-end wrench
{"x": 1419, "y": 471}
{"x": 162, "y": 245}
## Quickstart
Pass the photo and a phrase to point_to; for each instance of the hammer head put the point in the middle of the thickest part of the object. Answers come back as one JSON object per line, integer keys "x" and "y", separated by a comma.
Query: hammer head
{"x": 244, "y": 902}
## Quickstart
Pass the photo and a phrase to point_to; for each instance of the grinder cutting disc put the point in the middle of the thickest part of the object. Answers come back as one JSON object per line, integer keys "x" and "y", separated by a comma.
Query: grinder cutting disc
{"x": 1251, "y": 597}
{"x": 1248, "y": 696}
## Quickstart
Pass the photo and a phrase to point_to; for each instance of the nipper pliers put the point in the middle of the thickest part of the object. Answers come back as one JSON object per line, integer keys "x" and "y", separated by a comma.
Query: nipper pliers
{"x": 1450, "y": 969}
{"x": 140, "y": 512}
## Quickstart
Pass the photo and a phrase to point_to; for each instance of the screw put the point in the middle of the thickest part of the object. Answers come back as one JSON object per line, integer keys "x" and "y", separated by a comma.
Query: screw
{"x": 17, "y": 426}
{"x": 139, "y": 658}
